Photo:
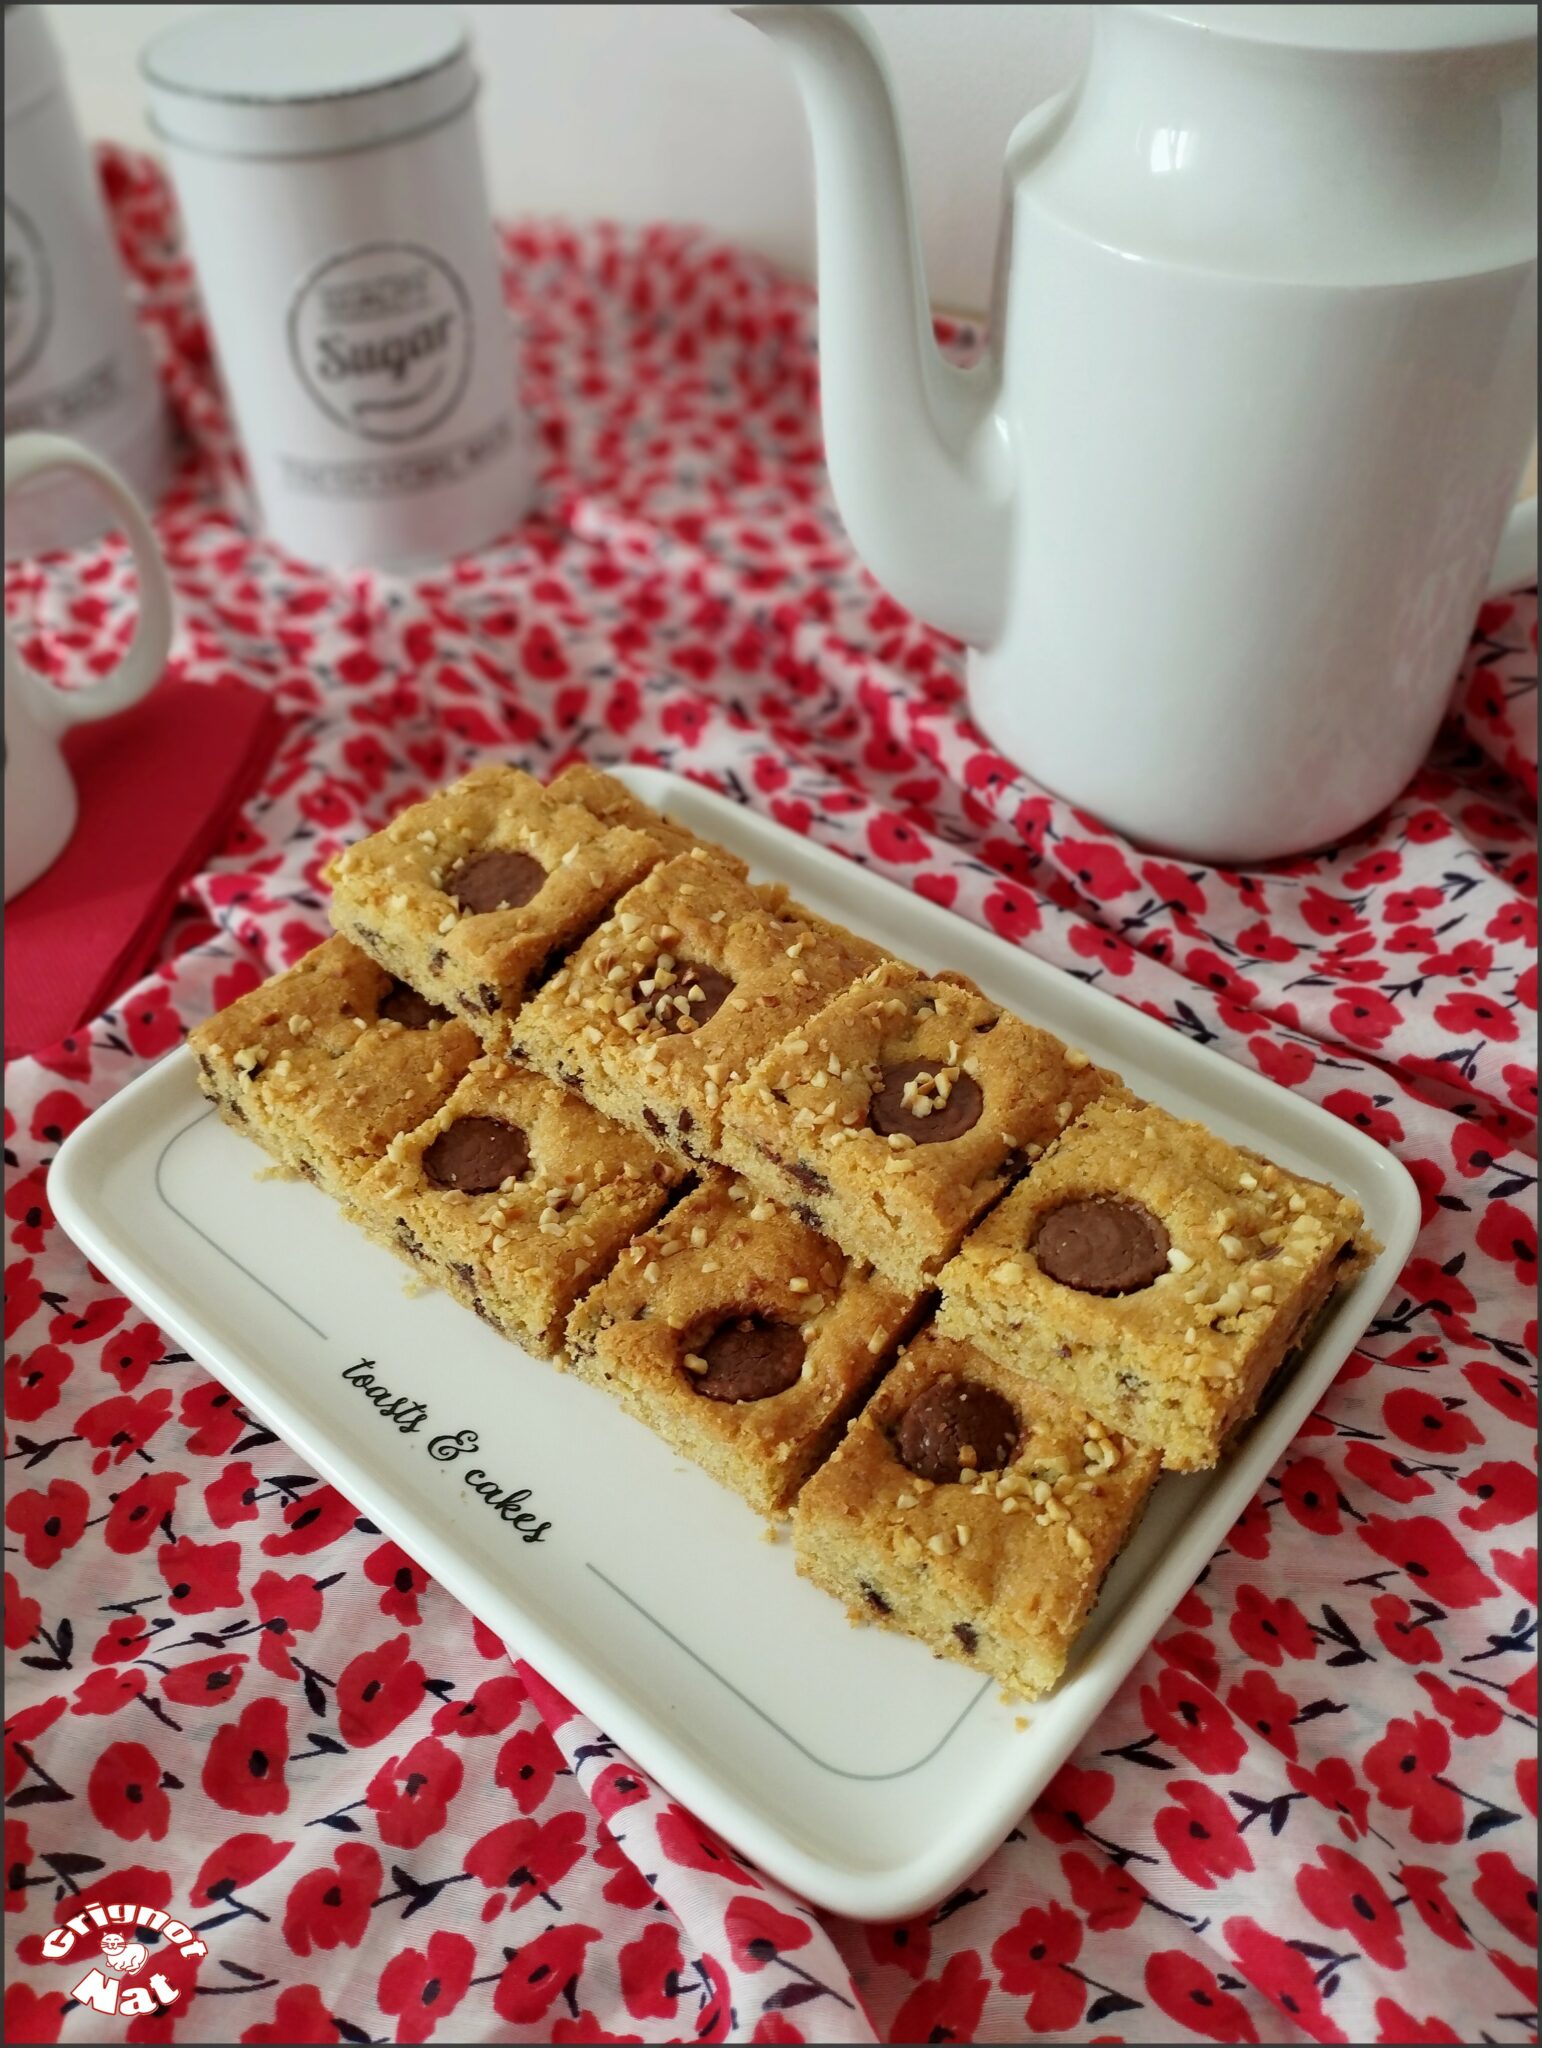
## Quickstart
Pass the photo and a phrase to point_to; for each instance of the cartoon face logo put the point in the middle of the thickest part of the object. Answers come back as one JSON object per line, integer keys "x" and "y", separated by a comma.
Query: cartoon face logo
{"x": 122, "y": 1957}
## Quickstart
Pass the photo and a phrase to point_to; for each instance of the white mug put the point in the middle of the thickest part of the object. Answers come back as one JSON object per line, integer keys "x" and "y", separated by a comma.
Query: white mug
{"x": 40, "y": 801}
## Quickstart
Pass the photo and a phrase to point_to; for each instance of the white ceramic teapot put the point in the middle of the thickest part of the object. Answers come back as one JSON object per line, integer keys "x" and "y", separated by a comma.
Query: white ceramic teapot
{"x": 1216, "y": 515}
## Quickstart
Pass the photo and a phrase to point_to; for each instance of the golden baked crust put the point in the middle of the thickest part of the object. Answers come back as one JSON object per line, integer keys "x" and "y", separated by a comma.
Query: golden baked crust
{"x": 307, "y": 1065}
{"x": 522, "y": 1254}
{"x": 394, "y": 894}
{"x": 998, "y": 1570}
{"x": 722, "y": 1255}
{"x": 800, "y": 1128}
{"x": 610, "y": 1021}
{"x": 1180, "y": 1363}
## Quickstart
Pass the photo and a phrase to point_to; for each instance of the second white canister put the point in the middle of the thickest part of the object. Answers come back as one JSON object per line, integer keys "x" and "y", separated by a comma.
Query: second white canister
{"x": 326, "y": 165}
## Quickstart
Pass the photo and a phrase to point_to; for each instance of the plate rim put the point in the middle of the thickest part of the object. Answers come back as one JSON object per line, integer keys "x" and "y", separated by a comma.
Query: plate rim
{"x": 859, "y": 1891}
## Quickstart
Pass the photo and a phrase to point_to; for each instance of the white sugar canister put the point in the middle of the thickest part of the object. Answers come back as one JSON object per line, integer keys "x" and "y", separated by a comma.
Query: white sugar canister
{"x": 75, "y": 360}
{"x": 327, "y": 168}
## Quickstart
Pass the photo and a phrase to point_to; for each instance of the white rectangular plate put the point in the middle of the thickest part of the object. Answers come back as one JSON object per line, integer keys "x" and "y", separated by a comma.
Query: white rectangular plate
{"x": 848, "y": 1763}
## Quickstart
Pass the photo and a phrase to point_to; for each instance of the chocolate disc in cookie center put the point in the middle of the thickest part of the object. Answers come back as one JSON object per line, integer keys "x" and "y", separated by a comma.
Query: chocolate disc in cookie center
{"x": 950, "y": 1417}
{"x": 696, "y": 993}
{"x": 497, "y": 881}
{"x": 1103, "y": 1245}
{"x": 476, "y": 1155}
{"x": 927, "y": 1117}
{"x": 749, "y": 1358}
{"x": 401, "y": 1004}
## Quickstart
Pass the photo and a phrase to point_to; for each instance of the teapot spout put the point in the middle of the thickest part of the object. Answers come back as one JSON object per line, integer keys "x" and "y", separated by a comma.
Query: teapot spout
{"x": 916, "y": 449}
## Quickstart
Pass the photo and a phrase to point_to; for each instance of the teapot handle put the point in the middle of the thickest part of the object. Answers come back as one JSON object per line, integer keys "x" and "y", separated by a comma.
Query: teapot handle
{"x": 1515, "y": 560}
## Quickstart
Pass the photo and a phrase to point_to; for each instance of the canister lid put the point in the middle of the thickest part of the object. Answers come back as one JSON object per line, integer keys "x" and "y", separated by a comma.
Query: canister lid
{"x": 276, "y": 81}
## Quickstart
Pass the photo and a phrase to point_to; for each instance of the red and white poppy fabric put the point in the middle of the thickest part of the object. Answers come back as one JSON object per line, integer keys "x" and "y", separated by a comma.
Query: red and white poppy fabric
{"x": 1307, "y": 1815}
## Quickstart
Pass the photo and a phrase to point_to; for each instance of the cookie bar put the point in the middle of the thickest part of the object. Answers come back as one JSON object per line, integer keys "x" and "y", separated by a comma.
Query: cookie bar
{"x": 741, "y": 1337}
{"x": 1155, "y": 1272}
{"x": 674, "y": 998}
{"x": 603, "y": 797}
{"x": 899, "y": 1113}
{"x": 974, "y": 1509}
{"x": 515, "y": 1197}
{"x": 325, "y": 1064}
{"x": 474, "y": 895}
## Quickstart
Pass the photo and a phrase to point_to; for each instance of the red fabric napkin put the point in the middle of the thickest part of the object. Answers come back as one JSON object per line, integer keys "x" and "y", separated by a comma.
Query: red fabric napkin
{"x": 158, "y": 785}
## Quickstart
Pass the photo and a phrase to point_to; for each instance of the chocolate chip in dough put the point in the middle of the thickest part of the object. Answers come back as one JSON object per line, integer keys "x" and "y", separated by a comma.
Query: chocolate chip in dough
{"x": 750, "y": 1358}
{"x": 1103, "y": 1245}
{"x": 497, "y": 881}
{"x": 401, "y": 1004}
{"x": 694, "y": 996}
{"x": 926, "y": 1117}
{"x": 951, "y": 1416}
{"x": 476, "y": 1155}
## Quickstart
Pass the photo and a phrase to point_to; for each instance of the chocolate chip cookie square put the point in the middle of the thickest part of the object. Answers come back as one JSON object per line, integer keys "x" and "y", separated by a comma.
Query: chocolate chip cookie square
{"x": 898, "y": 1114}
{"x": 679, "y": 992}
{"x": 741, "y": 1337}
{"x": 609, "y": 800}
{"x": 324, "y": 1064}
{"x": 974, "y": 1509}
{"x": 515, "y": 1197}
{"x": 1155, "y": 1272}
{"x": 474, "y": 895}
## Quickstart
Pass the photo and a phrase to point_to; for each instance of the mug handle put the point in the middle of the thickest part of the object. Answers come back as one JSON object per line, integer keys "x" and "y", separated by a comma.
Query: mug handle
{"x": 1515, "y": 561}
{"x": 28, "y": 455}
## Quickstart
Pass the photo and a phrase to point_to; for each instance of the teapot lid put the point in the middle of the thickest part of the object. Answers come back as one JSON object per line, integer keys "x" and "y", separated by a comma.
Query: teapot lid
{"x": 1376, "y": 28}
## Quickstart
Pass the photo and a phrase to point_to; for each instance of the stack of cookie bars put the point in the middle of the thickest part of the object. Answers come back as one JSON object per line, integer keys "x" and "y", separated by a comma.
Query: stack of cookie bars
{"x": 868, "y": 1247}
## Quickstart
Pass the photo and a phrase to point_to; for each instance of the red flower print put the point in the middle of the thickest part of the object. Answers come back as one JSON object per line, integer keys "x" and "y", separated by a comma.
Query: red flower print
{"x": 122, "y": 1425}
{"x": 207, "y": 1681}
{"x": 1365, "y": 1017}
{"x": 22, "y": 1615}
{"x": 1330, "y": 915}
{"x": 1391, "y": 1477}
{"x": 1210, "y": 969}
{"x": 1284, "y": 1976}
{"x": 26, "y": 1202}
{"x": 1504, "y": 1491}
{"x": 1249, "y": 1534}
{"x": 420, "y": 1987}
{"x": 1012, "y": 912}
{"x": 1270, "y": 1630}
{"x": 495, "y": 1703}
{"x": 105, "y": 1691}
{"x": 1339, "y": 1891}
{"x": 411, "y": 1794}
{"x": 1431, "y": 1556}
{"x": 213, "y": 1417}
{"x": 1176, "y": 888}
{"x": 244, "y": 1769}
{"x": 232, "y": 1498}
{"x": 124, "y": 1637}
{"x": 1101, "y": 869}
{"x": 1310, "y": 1492}
{"x": 1469, "y": 1711}
{"x": 1194, "y": 1996}
{"x": 1116, "y": 954}
{"x": 941, "y": 889}
{"x": 906, "y": 1944}
{"x": 541, "y": 657}
{"x": 587, "y": 2031}
{"x": 125, "y": 1792}
{"x": 241, "y": 1860}
{"x": 378, "y": 1689}
{"x": 895, "y": 841}
{"x": 1259, "y": 942}
{"x": 1474, "y": 1016}
{"x": 1199, "y": 1832}
{"x": 948, "y": 2008}
{"x": 527, "y": 1856}
{"x": 1404, "y": 1766}
{"x": 403, "y": 1582}
{"x": 1071, "y": 1801}
{"x": 775, "y": 2027}
{"x": 650, "y": 1972}
{"x": 202, "y": 1576}
{"x": 1509, "y": 1895}
{"x": 23, "y": 1296}
{"x": 1106, "y": 1895}
{"x": 48, "y": 1522}
{"x": 1188, "y": 1717}
{"x": 1029, "y": 1960}
{"x": 284, "y": 1607}
{"x": 1258, "y": 1702}
{"x": 300, "y": 2020}
{"x": 685, "y": 1841}
{"x": 1426, "y": 1892}
{"x": 1401, "y": 2027}
{"x": 34, "y": 2016}
{"x": 129, "y": 1354}
{"x": 1504, "y": 1391}
{"x": 1369, "y": 1113}
{"x": 151, "y": 1025}
{"x": 1510, "y": 1236}
{"x": 1284, "y": 1060}
{"x": 685, "y": 719}
{"x": 1400, "y": 1633}
{"x": 33, "y": 1382}
{"x": 758, "y": 1933}
{"x": 329, "y": 1907}
{"x": 1442, "y": 1294}
{"x": 311, "y": 1522}
{"x": 1332, "y": 1783}
{"x": 527, "y": 1764}
{"x": 627, "y": 1887}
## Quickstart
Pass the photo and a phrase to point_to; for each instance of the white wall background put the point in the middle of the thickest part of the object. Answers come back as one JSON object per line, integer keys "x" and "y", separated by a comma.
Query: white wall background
{"x": 683, "y": 113}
